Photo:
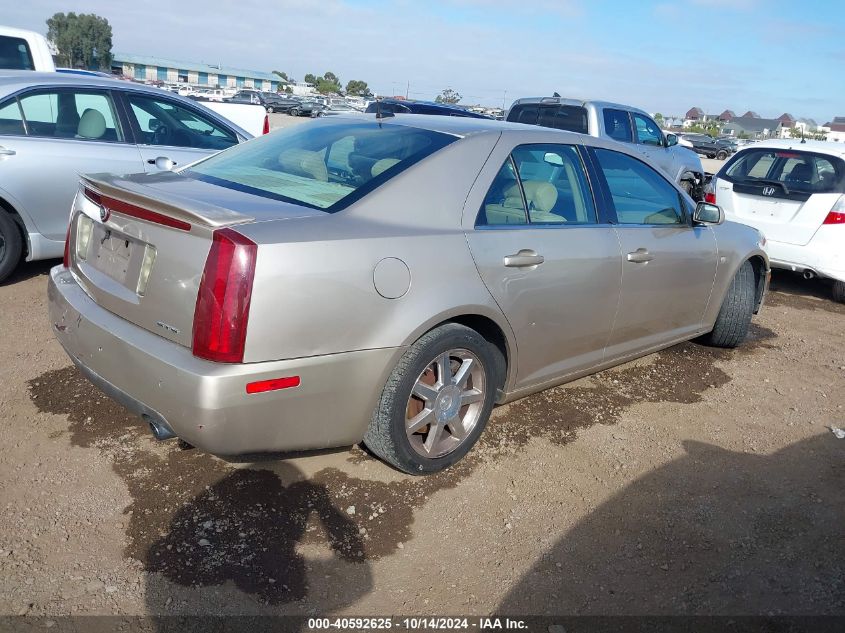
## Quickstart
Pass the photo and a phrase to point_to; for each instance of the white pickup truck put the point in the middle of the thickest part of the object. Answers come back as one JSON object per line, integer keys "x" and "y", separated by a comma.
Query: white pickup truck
{"x": 250, "y": 117}
{"x": 24, "y": 50}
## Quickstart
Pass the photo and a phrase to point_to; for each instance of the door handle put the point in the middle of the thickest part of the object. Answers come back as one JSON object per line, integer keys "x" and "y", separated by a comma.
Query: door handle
{"x": 152, "y": 161}
{"x": 525, "y": 258}
{"x": 640, "y": 256}
{"x": 7, "y": 152}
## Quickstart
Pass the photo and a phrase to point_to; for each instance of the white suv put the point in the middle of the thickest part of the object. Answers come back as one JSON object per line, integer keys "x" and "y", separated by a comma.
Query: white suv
{"x": 794, "y": 193}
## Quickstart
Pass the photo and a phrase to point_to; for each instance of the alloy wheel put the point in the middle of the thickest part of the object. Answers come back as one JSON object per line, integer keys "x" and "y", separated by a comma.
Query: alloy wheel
{"x": 446, "y": 403}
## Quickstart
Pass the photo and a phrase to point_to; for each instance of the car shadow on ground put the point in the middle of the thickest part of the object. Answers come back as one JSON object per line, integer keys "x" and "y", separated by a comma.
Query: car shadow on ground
{"x": 713, "y": 532}
{"x": 245, "y": 530}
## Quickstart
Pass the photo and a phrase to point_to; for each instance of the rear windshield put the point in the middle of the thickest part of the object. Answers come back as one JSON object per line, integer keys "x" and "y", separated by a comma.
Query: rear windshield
{"x": 787, "y": 170}
{"x": 14, "y": 54}
{"x": 561, "y": 117}
{"x": 323, "y": 166}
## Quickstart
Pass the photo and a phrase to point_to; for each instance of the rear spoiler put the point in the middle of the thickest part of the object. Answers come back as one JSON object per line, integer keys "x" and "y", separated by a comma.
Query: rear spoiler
{"x": 132, "y": 189}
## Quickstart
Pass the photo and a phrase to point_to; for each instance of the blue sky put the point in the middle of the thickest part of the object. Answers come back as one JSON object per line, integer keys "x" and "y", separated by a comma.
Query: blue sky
{"x": 769, "y": 56}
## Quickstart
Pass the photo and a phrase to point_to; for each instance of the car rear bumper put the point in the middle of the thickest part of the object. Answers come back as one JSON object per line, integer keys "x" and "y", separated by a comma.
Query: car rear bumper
{"x": 206, "y": 403}
{"x": 823, "y": 255}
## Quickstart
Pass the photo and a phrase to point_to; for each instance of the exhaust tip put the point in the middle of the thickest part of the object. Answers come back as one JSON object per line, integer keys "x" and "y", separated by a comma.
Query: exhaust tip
{"x": 159, "y": 429}
{"x": 809, "y": 274}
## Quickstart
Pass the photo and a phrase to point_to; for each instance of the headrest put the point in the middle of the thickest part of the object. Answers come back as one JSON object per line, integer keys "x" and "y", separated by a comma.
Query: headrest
{"x": 302, "y": 162}
{"x": 92, "y": 124}
{"x": 541, "y": 196}
{"x": 383, "y": 165}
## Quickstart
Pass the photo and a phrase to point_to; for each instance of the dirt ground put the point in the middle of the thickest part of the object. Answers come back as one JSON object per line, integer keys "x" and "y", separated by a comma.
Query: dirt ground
{"x": 692, "y": 481}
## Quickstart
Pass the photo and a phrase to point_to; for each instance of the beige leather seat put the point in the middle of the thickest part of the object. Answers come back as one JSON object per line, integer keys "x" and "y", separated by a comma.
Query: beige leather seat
{"x": 301, "y": 162}
{"x": 92, "y": 124}
{"x": 540, "y": 196}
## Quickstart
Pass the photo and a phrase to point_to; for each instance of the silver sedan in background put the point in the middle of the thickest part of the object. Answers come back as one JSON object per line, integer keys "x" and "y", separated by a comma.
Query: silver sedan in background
{"x": 55, "y": 126}
{"x": 387, "y": 280}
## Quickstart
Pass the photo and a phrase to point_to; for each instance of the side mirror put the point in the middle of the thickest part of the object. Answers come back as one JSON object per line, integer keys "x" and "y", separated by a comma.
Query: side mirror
{"x": 671, "y": 139}
{"x": 706, "y": 213}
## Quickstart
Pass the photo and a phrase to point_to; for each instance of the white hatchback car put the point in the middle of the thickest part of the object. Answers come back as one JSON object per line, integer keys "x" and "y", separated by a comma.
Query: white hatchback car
{"x": 794, "y": 193}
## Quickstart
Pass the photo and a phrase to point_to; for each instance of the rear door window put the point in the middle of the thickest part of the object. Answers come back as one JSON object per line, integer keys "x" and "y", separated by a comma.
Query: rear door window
{"x": 11, "y": 121}
{"x": 617, "y": 125}
{"x": 84, "y": 115}
{"x": 15, "y": 54}
{"x": 784, "y": 173}
{"x": 543, "y": 184}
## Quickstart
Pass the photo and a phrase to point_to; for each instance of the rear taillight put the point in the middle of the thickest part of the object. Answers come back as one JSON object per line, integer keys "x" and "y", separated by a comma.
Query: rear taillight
{"x": 837, "y": 213}
{"x": 266, "y": 129}
{"x": 710, "y": 192}
{"x": 222, "y": 310}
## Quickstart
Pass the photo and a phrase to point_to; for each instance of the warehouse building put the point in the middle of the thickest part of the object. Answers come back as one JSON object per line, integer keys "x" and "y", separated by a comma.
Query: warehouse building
{"x": 172, "y": 71}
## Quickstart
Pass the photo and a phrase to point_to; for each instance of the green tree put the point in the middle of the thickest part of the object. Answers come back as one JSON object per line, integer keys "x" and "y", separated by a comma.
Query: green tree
{"x": 356, "y": 87}
{"x": 281, "y": 74}
{"x": 81, "y": 40}
{"x": 448, "y": 96}
{"x": 331, "y": 77}
{"x": 658, "y": 118}
{"x": 310, "y": 79}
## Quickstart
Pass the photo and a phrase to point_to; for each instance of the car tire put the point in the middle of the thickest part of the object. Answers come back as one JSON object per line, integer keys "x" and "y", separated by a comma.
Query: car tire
{"x": 711, "y": 155}
{"x": 294, "y": 112}
{"x": 838, "y": 291}
{"x": 11, "y": 245}
{"x": 416, "y": 395}
{"x": 722, "y": 155}
{"x": 270, "y": 110}
{"x": 735, "y": 314}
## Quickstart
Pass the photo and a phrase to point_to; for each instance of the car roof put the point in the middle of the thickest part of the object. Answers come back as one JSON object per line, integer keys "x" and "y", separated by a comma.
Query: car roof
{"x": 11, "y": 80}
{"x": 582, "y": 102}
{"x": 821, "y": 147}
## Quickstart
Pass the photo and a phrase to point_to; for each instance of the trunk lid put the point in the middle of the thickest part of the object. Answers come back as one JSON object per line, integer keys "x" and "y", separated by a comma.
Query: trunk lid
{"x": 139, "y": 243}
